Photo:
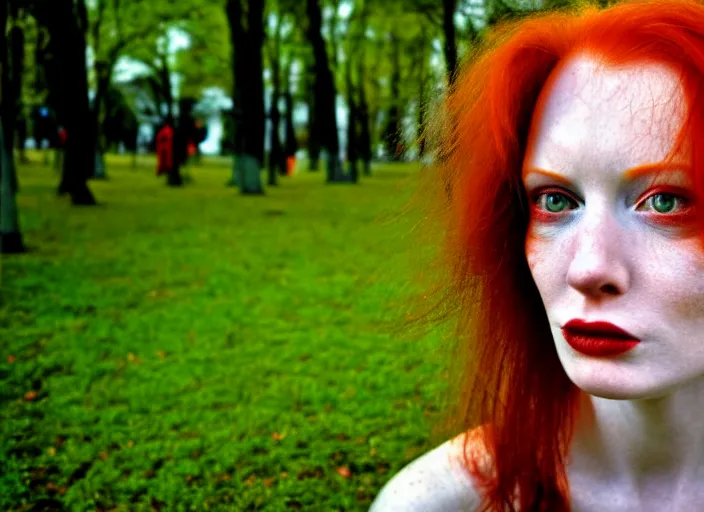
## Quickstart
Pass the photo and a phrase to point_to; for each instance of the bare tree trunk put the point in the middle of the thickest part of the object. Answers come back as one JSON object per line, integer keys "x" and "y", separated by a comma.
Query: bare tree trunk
{"x": 365, "y": 143}
{"x": 392, "y": 133}
{"x": 103, "y": 76}
{"x": 290, "y": 142}
{"x": 275, "y": 150}
{"x": 332, "y": 37}
{"x": 10, "y": 235}
{"x": 67, "y": 76}
{"x": 248, "y": 93}
{"x": 422, "y": 79}
{"x": 352, "y": 118}
{"x": 324, "y": 94}
{"x": 165, "y": 80}
{"x": 313, "y": 128}
{"x": 448, "y": 25}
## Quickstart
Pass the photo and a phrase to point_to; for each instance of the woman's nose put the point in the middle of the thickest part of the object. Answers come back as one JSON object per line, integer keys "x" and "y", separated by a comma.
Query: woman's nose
{"x": 598, "y": 267}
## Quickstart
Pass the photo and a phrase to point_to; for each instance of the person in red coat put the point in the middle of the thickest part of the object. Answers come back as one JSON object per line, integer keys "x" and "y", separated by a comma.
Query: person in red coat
{"x": 165, "y": 149}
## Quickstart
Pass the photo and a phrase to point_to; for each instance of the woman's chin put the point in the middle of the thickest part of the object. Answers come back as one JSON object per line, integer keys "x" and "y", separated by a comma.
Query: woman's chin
{"x": 614, "y": 383}
{"x": 611, "y": 392}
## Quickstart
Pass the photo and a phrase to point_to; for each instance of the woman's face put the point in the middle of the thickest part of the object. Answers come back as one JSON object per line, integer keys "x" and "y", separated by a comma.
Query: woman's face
{"x": 611, "y": 243}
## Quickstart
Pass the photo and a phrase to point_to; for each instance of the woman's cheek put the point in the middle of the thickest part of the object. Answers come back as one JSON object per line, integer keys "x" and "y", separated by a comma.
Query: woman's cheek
{"x": 533, "y": 249}
{"x": 686, "y": 290}
{"x": 545, "y": 247}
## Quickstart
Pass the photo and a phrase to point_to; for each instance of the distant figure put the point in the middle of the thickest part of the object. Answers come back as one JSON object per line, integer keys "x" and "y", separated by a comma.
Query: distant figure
{"x": 165, "y": 149}
{"x": 291, "y": 144}
{"x": 61, "y": 139}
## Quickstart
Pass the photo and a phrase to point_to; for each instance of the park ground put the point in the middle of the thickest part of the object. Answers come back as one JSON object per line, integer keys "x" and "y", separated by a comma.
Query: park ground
{"x": 195, "y": 349}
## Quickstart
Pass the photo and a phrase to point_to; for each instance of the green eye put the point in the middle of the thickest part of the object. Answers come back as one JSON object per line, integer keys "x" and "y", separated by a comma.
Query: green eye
{"x": 663, "y": 203}
{"x": 555, "y": 203}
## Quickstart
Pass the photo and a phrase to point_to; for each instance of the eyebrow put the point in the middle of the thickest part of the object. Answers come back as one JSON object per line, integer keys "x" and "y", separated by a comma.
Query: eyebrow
{"x": 631, "y": 174}
{"x": 552, "y": 175}
{"x": 644, "y": 170}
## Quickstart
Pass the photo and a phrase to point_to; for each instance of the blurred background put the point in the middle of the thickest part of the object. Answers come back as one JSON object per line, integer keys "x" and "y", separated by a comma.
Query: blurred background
{"x": 210, "y": 252}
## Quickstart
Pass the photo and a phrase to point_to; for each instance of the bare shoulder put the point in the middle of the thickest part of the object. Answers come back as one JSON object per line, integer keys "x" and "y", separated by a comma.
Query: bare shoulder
{"x": 436, "y": 481}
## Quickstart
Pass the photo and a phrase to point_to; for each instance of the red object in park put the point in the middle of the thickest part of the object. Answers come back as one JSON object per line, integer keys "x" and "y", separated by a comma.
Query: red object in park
{"x": 63, "y": 137}
{"x": 165, "y": 150}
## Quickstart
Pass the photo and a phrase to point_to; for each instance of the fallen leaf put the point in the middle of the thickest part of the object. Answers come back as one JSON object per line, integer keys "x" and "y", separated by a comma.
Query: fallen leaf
{"x": 51, "y": 487}
{"x": 278, "y": 437}
{"x": 284, "y": 474}
{"x": 51, "y": 451}
{"x": 131, "y": 357}
{"x": 372, "y": 452}
{"x": 130, "y": 444}
{"x": 161, "y": 354}
{"x": 268, "y": 482}
{"x": 30, "y": 395}
{"x": 10, "y": 359}
{"x": 344, "y": 472}
{"x": 103, "y": 456}
{"x": 250, "y": 481}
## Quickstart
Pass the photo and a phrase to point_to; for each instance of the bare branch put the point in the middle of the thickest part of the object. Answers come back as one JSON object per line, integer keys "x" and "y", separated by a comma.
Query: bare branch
{"x": 95, "y": 29}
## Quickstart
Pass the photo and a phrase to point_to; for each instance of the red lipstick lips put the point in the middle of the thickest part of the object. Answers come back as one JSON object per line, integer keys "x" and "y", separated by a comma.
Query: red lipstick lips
{"x": 598, "y": 339}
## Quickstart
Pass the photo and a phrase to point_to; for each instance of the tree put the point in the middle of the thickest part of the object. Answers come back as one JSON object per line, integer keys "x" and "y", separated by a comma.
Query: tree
{"x": 448, "y": 27}
{"x": 384, "y": 38}
{"x": 443, "y": 16}
{"x": 364, "y": 140}
{"x": 10, "y": 235}
{"x": 247, "y": 36}
{"x": 290, "y": 142}
{"x": 182, "y": 135}
{"x": 352, "y": 119}
{"x": 313, "y": 142}
{"x": 138, "y": 29}
{"x": 276, "y": 162}
{"x": 121, "y": 125}
{"x": 392, "y": 133}
{"x": 422, "y": 86}
{"x": 17, "y": 61}
{"x": 66, "y": 22}
{"x": 35, "y": 88}
{"x": 325, "y": 93}
{"x": 207, "y": 62}
{"x": 154, "y": 54}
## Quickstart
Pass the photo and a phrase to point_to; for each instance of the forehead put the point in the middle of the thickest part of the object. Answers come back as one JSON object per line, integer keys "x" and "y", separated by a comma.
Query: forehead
{"x": 592, "y": 115}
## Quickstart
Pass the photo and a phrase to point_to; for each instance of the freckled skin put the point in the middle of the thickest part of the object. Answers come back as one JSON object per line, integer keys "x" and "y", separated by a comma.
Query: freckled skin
{"x": 607, "y": 258}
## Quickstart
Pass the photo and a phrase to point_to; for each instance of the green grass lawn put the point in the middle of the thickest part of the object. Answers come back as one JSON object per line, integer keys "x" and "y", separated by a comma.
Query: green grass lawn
{"x": 194, "y": 349}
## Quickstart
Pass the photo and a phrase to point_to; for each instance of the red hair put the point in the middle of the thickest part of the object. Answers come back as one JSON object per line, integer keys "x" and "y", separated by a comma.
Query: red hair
{"x": 513, "y": 384}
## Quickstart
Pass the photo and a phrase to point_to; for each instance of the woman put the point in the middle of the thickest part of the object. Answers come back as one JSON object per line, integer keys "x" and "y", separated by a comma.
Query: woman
{"x": 573, "y": 169}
